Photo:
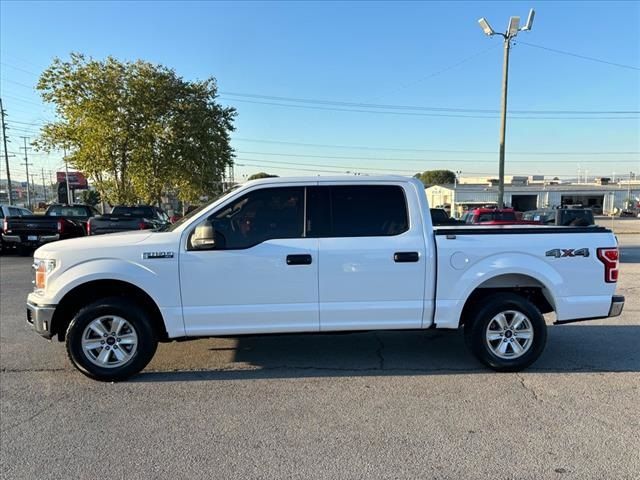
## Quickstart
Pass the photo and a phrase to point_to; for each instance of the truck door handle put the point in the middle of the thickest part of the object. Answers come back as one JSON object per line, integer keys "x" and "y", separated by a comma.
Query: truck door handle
{"x": 406, "y": 257}
{"x": 299, "y": 259}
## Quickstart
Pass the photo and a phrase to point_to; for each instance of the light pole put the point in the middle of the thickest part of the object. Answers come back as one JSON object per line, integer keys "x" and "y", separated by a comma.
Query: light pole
{"x": 512, "y": 31}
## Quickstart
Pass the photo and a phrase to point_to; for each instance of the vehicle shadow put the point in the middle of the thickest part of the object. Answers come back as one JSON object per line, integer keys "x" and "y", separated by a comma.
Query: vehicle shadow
{"x": 570, "y": 349}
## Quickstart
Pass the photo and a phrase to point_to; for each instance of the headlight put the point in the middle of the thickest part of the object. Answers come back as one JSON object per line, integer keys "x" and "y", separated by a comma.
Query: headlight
{"x": 43, "y": 267}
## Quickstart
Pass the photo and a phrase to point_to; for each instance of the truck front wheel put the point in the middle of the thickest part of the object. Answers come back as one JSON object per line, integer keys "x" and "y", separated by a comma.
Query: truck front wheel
{"x": 111, "y": 339}
{"x": 507, "y": 332}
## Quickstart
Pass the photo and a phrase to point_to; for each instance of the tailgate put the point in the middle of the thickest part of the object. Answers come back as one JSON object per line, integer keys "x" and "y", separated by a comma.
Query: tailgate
{"x": 102, "y": 225}
{"x": 34, "y": 225}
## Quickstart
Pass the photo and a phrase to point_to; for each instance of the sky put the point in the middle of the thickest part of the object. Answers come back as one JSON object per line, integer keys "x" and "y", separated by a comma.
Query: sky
{"x": 303, "y": 77}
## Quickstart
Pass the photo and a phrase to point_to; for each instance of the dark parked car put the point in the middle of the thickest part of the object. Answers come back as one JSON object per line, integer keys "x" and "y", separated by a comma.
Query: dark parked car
{"x": 582, "y": 217}
{"x": 123, "y": 218}
{"x": 439, "y": 216}
{"x": 58, "y": 223}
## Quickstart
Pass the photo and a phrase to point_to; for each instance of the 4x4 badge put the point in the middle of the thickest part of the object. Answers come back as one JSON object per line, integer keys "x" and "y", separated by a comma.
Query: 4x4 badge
{"x": 567, "y": 252}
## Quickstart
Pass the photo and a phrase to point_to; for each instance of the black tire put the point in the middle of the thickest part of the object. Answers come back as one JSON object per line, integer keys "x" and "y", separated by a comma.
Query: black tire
{"x": 475, "y": 332}
{"x": 138, "y": 319}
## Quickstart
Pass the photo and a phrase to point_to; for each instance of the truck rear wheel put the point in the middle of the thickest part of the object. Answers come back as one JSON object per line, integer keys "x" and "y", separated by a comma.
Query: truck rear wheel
{"x": 111, "y": 339}
{"x": 507, "y": 333}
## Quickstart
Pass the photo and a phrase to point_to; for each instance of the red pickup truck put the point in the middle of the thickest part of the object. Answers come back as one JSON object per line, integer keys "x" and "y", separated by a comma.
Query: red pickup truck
{"x": 495, "y": 216}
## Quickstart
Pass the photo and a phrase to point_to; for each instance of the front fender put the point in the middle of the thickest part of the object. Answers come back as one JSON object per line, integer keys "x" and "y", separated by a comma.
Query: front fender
{"x": 100, "y": 269}
{"x": 159, "y": 280}
{"x": 450, "y": 309}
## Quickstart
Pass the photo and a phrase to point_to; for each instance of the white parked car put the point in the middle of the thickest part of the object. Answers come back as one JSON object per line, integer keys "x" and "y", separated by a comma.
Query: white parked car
{"x": 319, "y": 255}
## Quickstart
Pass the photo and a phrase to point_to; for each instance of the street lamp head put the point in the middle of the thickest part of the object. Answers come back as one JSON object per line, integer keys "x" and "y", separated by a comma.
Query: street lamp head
{"x": 486, "y": 27}
{"x": 529, "y": 24}
{"x": 514, "y": 26}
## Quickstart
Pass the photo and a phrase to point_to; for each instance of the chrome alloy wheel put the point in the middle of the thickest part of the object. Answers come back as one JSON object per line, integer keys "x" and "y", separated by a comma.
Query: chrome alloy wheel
{"x": 509, "y": 334}
{"x": 109, "y": 341}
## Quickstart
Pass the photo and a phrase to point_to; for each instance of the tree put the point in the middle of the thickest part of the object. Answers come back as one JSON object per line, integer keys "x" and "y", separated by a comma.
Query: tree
{"x": 136, "y": 129}
{"x": 436, "y": 177}
{"x": 258, "y": 175}
{"x": 90, "y": 197}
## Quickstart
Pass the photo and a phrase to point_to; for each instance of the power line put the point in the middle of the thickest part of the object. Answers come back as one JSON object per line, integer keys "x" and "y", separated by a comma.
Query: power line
{"x": 584, "y": 57}
{"x": 400, "y": 149}
{"x": 269, "y": 162}
{"x": 290, "y": 168}
{"x": 421, "y": 160}
{"x": 421, "y": 107}
{"x": 417, "y": 114}
{"x": 19, "y": 68}
{"x": 17, "y": 83}
{"x": 341, "y": 169}
{"x": 18, "y": 99}
{"x": 438, "y": 72}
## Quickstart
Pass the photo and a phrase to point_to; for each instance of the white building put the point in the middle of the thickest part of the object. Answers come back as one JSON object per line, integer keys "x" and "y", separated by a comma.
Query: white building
{"x": 532, "y": 196}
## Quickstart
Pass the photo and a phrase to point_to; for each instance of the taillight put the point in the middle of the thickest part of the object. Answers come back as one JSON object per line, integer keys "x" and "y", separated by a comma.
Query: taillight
{"x": 60, "y": 226}
{"x": 142, "y": 225}
{"x": 609, "y": 257}
{"x": 88, "y": 227}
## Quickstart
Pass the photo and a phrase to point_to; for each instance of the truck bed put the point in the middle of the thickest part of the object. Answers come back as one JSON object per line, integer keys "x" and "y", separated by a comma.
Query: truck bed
{"x": 561, "y": 262}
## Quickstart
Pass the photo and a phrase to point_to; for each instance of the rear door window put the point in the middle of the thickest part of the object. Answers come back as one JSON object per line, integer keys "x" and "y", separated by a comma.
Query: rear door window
{"x": 357, "y": 211}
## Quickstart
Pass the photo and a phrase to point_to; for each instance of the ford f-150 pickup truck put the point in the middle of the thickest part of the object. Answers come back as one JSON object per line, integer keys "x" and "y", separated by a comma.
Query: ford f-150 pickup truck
{"x": 319, "y": 255}
{"x": 59, "y": 222}
{"x": 124, "y": 218}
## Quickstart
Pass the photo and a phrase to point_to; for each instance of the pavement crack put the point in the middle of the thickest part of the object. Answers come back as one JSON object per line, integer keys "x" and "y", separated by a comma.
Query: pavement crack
{"x": 379, "y": 351}
{"x": 36, "y": 414}
{"x": 20, "y": 370}
{"x": 528, "y": 388}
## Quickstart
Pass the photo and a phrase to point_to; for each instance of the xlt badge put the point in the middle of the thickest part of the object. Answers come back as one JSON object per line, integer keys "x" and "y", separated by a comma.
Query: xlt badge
{"x": 153, "y": 255}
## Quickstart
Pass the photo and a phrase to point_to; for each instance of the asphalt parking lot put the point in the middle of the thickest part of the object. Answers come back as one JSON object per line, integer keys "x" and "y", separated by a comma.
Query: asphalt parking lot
{"x": 385, "y": 405}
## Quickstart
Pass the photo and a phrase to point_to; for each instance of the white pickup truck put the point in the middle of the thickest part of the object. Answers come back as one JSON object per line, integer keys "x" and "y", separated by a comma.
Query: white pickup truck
{"x": 319, "y": 254}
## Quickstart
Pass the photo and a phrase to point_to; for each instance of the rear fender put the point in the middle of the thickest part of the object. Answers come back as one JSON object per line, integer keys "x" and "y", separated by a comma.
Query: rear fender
{"x": 449, "y": 310}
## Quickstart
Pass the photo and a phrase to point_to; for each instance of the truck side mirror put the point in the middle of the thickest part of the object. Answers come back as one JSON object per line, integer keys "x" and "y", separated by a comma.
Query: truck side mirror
{"x": 203, "y": 237}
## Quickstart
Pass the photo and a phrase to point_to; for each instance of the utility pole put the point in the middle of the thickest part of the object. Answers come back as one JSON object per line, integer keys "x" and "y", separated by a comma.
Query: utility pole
{"x": 6, "y": 154}
{"x": 512, "y": 31}
{"x": 44, "y": 187}
{"x": 35, "y": 191}
{"x": 66, "y": 177}
{"x": 26, "y": 164}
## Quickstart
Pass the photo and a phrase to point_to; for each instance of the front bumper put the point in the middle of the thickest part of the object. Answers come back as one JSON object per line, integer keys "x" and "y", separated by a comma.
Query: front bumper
{"x": 39, "y": 318}
{"x": 617, "y": 304}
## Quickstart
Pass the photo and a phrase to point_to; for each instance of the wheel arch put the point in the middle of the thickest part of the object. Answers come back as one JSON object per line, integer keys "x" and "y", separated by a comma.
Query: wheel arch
{"x": 526, "y": 286}
{"x": 91, "y": 291}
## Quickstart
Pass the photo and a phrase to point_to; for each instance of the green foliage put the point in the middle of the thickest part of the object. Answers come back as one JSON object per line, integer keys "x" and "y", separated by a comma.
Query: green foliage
{"x": 137, "y": 129}
{"x": 258, "y": 175}
{"x": 90, "y": 197}
{"x": 436, "y": 177}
